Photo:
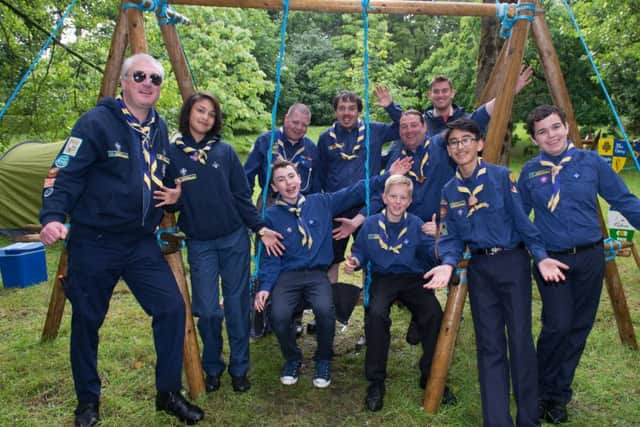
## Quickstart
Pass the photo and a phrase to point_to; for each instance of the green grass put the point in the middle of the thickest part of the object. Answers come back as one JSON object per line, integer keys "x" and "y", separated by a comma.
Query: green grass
{"x": 36, "y": 387}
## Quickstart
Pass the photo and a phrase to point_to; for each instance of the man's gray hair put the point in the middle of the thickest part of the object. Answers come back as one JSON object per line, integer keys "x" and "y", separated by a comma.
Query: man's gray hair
{"x": 126, "y": 65}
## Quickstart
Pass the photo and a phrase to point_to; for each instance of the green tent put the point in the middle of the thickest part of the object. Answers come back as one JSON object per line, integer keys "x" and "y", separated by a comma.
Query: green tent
{"x": 23, "y": 169}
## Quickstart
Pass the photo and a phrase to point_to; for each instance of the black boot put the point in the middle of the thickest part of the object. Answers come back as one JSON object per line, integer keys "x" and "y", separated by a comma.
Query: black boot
{"x": 173, "y": 403}
{"x": 87, "y": 414}
{"x": 375, "y": 396}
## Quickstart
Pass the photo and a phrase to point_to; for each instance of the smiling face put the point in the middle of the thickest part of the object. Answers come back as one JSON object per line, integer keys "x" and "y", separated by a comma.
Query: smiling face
{"x": 397, "y": 198}
{"x": 201, "y": 118}
{"x": 140, "y": 96}
{"x": 413, "y": 130}
{"x": 286, "y": 181}
{"x": 463, "y": 147}
{"x": 347, "y": 113}
{"x": 550, "y": 134}
{"x": 441, "y": 96}
{"x": 295, "y": 125}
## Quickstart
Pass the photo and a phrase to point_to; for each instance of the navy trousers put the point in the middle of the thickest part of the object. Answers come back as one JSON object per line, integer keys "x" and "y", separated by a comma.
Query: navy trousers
{"x": 96, "y": 262}
{"x": 568, "y": 312}
{"x": 226, "y": 258}
{"x": 425, "y": 310}
{"x": 500, "y": 297}
{"x": 293, "y": 290}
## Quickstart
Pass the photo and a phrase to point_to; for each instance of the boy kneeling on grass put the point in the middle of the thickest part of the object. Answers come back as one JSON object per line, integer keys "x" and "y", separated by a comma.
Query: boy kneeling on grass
{"x": 400, "y": 253}
{"x": 299, "y": 276}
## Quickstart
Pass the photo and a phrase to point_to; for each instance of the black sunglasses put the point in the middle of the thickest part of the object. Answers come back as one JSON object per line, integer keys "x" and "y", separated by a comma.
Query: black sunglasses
{"x": 140, "y": 76}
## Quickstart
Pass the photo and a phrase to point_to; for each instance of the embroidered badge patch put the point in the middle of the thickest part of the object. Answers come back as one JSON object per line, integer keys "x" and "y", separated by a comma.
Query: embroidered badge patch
{"x": 72, "y": 146}
{"x": 62, "y": 161}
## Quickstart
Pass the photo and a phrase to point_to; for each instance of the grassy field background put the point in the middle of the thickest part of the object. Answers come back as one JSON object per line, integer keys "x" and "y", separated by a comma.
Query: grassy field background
{"x": 36, "y": 387}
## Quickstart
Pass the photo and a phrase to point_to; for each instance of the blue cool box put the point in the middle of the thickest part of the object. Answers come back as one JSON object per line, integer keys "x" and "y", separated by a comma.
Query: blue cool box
{"x": 23, "y": 264}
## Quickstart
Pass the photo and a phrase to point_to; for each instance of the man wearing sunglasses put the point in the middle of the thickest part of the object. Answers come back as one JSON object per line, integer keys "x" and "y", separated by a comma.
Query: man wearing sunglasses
{"x": 110, "y": 179}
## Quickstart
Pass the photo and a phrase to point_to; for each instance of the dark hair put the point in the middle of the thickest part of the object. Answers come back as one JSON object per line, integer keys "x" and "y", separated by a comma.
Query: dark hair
{"x": 541, "y": 112}
{"x": 463, "y": 124}
{"x": 413, "y": 112}
{"x": 281, "y": 163}
{"x": 185, "y": 112}
{"x": 347, "y": 96}
{"x": 440, "y": 79}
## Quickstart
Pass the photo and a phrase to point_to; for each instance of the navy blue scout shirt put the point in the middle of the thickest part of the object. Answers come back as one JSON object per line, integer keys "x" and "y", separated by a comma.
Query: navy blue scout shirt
{"x": 428, "y": 177}
{"x": 436, "y": 124}
{"x": 413, "y": 252}
{"x": 575, "y": 219}
{"x": 502, "y": 224}
{"x": 336, "y": 172}
{"x": 304, "y": 154}
{"x": 317, "y": 215}
{"x": 215, "y": 199}
{"x": 97, "y": 176}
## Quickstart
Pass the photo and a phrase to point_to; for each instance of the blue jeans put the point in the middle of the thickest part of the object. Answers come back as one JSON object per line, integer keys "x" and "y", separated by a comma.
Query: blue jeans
{"x": 291, "y": 291}
{"x": 226, "y": 258}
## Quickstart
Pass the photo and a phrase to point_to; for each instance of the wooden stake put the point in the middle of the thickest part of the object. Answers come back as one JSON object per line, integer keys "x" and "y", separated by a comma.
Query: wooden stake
{"x": 135, "y": 25}
{"x": 57, "y": 301}
{"x": 395, "y": 7}
{"x": 558, "y": 88}
{"x": 192, "y": 363}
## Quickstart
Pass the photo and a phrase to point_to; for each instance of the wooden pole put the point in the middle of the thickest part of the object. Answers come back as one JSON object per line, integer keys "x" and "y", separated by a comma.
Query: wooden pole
{"x": 57, "y": 301}
{"x": 560, "y": 96}
{"x": 192, "y": 363}
{"x": 119, "y": 41}
{"x": 495, "y": 79}
{"x": 636, "y": 257}
{"x": 495, "y": 136}
{"x": 394, "y": 7}
{"x": 446, "y": 344}
{"x": 135, "y": 25}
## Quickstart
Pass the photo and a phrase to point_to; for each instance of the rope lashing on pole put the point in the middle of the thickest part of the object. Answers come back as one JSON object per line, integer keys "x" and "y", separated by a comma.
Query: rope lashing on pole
{"x": 611, "y": 248}
{"x": 612, "y": 107}
{"x": 274, "y": 117}
{"x": 166, "y": 15}
{"x": 365, "y": 73}
{"x": 35, "y": 61}
{"x": 142, "y": 5}
{"x": 502, "y": 13}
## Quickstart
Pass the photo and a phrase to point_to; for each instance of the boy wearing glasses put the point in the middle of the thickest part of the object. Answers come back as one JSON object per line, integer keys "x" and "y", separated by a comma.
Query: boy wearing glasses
{"x": 109, "y": 178}
{"x": 482, "y": 210}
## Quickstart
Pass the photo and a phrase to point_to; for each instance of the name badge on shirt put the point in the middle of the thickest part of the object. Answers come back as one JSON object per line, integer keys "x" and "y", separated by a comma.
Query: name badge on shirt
{"x": 374, "y": 236}
{"x": 118, "y": 153}
{"x": 459, "y": 204}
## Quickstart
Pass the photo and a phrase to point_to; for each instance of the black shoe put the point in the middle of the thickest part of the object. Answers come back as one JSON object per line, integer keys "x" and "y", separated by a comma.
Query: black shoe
{"x": 556, "y": 412}
{"x": 87, "y": 414}
{"x": 240, "y": 384}
{"x": 448, "y": 398}
{"x": 375, "y": 396}
{"x": 174, "y": 404}
{"x": 212, "y": 383}
{"x": 413, "y": 333}
{"x": 543, "y": 405}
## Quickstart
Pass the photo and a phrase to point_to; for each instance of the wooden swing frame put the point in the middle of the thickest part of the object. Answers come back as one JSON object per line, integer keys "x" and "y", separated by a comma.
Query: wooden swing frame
{"x": 129, "y": 32}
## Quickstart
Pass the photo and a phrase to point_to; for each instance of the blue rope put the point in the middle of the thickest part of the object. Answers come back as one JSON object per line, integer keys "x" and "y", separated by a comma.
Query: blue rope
{"x": 602, "y": 85}
{"x": 365, "y": 71}
{"x": 159, "y": 236}
{"x": 37, "y": 59}
{"x": 274, "y": 117}
{"x": 163, "y": 17}
{"x": 140, "y": 6}
{"x": 502, "y": 10}
{"x": 614, "y": 246}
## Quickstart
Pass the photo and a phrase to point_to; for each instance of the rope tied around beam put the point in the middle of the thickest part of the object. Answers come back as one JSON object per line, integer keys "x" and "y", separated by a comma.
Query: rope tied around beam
{"x": 611, "y": 248}
{"x": 142, "y": 5}
{"x": 163, "y": 15}
{"x": 502, "y": 12}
